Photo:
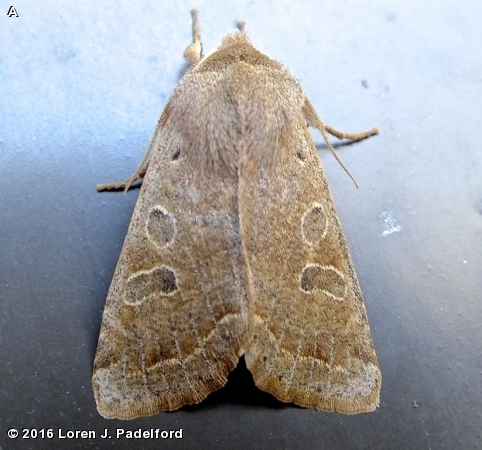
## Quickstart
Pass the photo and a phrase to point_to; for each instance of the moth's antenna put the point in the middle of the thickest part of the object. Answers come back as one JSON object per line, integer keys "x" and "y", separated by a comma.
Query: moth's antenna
{"x": 194, "y": 52}
{"x": 196, "y": 32}
{"x": 241, "y": 24}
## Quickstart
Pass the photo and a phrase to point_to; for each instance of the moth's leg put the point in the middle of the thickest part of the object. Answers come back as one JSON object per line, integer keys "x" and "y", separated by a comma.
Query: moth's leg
{"x": 351, "y": 136}
{"x": 314, "y": 120}
{"x": 142, "y": 169}
{"x": 126, "y": 184}
{"x": 194, "y": 52}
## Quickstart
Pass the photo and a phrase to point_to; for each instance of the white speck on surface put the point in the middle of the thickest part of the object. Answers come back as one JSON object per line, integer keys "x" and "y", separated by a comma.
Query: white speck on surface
{"x": 389, "y": 223}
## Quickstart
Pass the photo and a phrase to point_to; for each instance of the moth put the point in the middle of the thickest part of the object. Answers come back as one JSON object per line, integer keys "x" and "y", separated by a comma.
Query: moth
{"x": 234, "y": 248}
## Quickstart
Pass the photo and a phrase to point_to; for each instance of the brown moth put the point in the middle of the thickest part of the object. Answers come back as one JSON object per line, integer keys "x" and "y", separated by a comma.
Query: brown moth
{"x": 234, "y": 248}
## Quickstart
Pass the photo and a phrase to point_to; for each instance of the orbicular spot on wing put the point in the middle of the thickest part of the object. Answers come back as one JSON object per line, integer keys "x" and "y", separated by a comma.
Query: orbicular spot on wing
{"x": 160, "y": 227}
{"x": 314, "y": 224}
{"x": 324, "y": 278}
{"x": 146, "y": 284}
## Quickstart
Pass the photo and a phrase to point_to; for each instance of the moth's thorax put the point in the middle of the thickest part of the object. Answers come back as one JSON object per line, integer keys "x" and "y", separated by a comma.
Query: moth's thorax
{"x": 245, "y": 105}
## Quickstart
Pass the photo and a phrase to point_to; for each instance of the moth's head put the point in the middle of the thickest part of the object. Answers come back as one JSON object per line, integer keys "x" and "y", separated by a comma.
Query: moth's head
{"x": 238, "y": 37}
{"x": 236, "y": 47}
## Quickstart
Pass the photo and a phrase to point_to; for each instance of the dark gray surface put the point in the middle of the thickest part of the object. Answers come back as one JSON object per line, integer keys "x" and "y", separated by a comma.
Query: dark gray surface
{"x": 82, "y": 86}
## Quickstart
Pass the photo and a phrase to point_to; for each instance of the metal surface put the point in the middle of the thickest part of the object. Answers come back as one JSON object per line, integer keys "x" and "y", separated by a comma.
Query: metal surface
{"x": 82, "y": 86}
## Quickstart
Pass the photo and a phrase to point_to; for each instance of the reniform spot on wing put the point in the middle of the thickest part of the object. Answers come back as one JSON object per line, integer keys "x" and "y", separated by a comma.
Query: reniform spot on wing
{"x": 323, "y": 278}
